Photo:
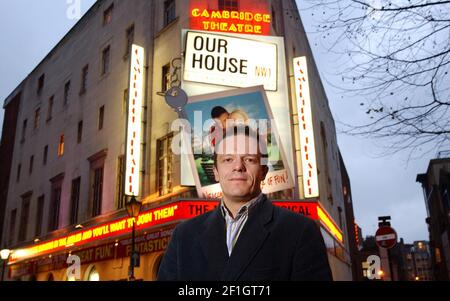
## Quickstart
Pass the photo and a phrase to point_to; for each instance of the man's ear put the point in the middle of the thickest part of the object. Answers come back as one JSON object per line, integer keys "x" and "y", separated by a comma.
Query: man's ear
{"x": 216, "y": 174}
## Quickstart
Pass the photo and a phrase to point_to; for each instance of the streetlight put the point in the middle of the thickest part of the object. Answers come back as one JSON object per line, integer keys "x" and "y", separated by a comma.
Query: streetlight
{"x": 4, "y": 254}
{"x": 133, "y": 209}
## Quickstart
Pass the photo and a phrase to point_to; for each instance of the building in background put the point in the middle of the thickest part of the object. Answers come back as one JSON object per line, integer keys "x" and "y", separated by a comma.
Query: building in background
{"x": 436, "y": 186}
{"x": 6, "y": 154}
{"x": 69, "y": 155}
{"x": 354, "y": 232}
{"x": 423, "y": 270}
{"x": 407, "y": 269}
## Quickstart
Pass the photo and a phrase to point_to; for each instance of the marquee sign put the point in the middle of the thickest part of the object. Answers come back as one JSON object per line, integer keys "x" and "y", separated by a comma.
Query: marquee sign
{"x": 160, "y": 216}
{"x": 134, "y": 122}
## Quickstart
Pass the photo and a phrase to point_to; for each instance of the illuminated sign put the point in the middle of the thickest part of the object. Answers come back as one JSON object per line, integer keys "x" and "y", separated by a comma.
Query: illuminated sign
{"x": 159, "y": 216}
{"x": 308, "y": 209}
{"x": 134, "y": 122}
{"x": 308, "y": 148}
{"x": 314, "y": 211}
{"x": 329, "y": 224}
{"x": 147, "y": 243}
{"x": 154, "y": 217}
{"x": 230, "y": 21}
{"x": 230, "y": 61}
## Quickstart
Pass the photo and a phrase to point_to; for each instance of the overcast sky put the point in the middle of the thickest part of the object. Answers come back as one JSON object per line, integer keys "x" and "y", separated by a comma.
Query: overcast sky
{"x": 380, "y": 186}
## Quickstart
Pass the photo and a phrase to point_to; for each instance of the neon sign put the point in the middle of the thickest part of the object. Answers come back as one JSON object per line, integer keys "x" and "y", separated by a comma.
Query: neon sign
{"x": 307, "y": 143}
{"x": 243, "y": 22}
{"x": 160, "y": 216}
{"x": 134, "y": 123}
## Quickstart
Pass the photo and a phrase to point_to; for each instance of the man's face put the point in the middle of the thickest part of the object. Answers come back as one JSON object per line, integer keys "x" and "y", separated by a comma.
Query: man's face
{"x": 238, "y": 168}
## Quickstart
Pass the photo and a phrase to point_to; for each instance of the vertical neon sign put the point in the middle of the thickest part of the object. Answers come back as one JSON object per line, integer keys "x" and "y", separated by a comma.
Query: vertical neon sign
{"x": 307, "y": 144}
{"x": 134, "y": 122}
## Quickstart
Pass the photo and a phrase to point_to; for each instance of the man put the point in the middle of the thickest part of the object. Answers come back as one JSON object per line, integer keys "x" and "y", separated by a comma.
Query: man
{"x": 246, "y": 238}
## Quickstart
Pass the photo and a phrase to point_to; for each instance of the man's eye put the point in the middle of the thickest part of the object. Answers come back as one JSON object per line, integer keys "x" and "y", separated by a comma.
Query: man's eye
{"x": 250, "y": 160}
{"x": 227, "y": 160}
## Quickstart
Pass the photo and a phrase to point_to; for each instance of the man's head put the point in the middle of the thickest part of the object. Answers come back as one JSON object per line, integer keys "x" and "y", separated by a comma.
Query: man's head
{"x": 240, "y": 163}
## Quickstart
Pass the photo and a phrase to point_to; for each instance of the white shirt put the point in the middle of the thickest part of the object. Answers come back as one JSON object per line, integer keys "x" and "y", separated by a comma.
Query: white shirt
{"x": 235, "y": 225}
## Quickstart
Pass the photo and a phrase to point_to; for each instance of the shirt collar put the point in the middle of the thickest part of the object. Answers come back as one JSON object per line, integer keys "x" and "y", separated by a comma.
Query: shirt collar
{"x": 244, "y": 208}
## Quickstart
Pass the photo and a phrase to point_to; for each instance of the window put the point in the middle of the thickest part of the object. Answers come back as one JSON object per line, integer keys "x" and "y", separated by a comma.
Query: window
{"x": 74, "y": 200}
{"x": 101, "y": 116}
{"x": 41, "y": 81}
{"x": 98, "y": 191}
{"x": 37, "y": 118}
{"x": 50, "y": 108}
{"x": 120, "y": 199}
{"x": 80, "y": 132}
{"x": 166, "y": 78}
{"x": 84, "y": 76}
{"x": 97, "y": 163}
{"x": 30, "y": 169}
{"x": 93, "y": 275}
{"x": 106, "y": 54}
{"x": 55, "y": 203}
{"x": 169, "y": 11}
{"x": 66, "y": 92}
{"x": 39, "y": 215}
{"x": 19, "y": 169}
{"x": 45, "y": 155}
{"x": 12, "y": 226}
{"x": 130, "y": 40}
{"x": 61, "y": 146}
{"x": 340, "y": 217}
{"x": 164, "y": 157}
{"x": 24, "y": 130}
{"x": 108, "y": 14}
{"x": 329, "y": 242}
{"x": 24, "y": 217}
{"x": 230, "y": 5}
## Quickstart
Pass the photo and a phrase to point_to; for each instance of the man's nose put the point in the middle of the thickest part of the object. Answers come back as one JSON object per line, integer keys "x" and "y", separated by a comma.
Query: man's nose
{"x": 238, "y": 164}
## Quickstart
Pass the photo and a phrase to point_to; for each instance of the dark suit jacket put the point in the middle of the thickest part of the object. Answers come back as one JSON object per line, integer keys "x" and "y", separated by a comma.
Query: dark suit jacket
{"x": 275, "y": 244}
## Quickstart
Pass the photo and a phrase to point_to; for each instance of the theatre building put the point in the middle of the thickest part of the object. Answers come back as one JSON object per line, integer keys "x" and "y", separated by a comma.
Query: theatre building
{"x": 89, "y": 128}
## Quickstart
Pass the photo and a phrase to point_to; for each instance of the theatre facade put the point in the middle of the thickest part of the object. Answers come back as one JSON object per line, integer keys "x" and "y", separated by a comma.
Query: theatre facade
{"x": 90, "y": 128}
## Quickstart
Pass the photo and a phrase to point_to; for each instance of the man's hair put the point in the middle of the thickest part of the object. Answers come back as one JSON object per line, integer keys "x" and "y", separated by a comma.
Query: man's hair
{"x": 217, "y": 111}
{"x": 248, "y": 132}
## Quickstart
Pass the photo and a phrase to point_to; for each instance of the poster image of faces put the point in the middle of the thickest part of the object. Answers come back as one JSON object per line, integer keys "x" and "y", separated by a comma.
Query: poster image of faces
{"x": 210, "y": 115}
